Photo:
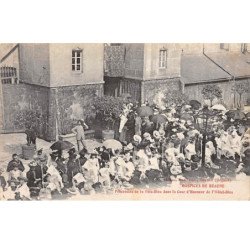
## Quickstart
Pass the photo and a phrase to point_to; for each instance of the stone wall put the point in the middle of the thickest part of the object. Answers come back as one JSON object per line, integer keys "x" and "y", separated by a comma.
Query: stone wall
{"x": 18, "y": 99}
{"x": 114, "y": 60}
{"x": 193, "y": 91}
{"x": 134, "y": 60}
{"x": 59, "y": 108}
{"x": 153, "y": 87}
{"x": 70, "y": 104}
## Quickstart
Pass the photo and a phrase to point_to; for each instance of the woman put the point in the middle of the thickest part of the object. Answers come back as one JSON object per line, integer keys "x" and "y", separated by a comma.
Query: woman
{"x": 79, "y": 131}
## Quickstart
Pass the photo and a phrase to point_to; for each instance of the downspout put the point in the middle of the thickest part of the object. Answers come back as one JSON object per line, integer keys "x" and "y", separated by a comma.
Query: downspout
{"x": 182, "y": 87}
{"x": 232, "y": 77}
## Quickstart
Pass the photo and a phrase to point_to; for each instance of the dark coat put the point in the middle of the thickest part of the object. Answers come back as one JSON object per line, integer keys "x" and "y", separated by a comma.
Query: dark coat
{"x": 3, "y": 182}
{"x": 12, "y": 164}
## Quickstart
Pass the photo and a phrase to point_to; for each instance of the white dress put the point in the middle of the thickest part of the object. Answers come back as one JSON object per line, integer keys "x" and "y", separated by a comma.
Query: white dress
{"x": 24, "y": 191}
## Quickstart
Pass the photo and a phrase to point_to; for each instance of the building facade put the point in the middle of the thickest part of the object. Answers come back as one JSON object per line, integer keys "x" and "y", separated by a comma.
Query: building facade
{"x": 226, "y": 65}
{"x": 58, "y": 81}
{"x": 143, "y": 70}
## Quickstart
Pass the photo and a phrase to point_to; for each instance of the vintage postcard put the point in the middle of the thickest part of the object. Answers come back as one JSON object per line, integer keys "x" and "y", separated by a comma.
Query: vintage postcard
{"x": 124, "y": 121}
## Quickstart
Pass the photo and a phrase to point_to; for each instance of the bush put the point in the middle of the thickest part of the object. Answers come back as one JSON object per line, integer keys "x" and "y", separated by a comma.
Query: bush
{"x": 108, "y": 109}
{"x": 32, "y": 119}
{"x": 175, "y": 97}
{"x": 211, "y": 92}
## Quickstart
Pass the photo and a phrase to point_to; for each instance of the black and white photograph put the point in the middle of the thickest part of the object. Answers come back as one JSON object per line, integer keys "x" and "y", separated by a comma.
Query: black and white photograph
{"x": 124, "y": 124}
{"x": 124, "y": 121}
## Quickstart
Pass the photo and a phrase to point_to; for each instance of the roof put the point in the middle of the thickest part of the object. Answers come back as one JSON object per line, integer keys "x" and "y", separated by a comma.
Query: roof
{"x": 198, "y": 68}
{"x": 235, "y": 63}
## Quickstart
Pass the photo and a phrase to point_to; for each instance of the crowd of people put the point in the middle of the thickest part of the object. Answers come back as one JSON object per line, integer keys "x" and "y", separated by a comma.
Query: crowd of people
{"x": 154, "y": 152}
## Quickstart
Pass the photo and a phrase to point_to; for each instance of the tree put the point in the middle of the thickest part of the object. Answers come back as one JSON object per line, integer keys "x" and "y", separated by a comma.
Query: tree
{"x": 108, "y": 109}
{"x": 211, "y": 92}
{"x": 240, "y": 88}
{"x": 34, "y": 119}
{"x": 175, "y": 97}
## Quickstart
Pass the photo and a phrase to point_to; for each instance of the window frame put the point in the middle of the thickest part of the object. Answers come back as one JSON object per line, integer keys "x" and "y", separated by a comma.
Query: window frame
{"x": 74, "y": 60}
{"x": 163, "y": 55}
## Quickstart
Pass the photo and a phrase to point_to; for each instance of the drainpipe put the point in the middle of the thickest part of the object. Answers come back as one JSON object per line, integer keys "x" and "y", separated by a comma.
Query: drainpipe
{"x": 232, "y": 77}
{"x": 182, "y": 86}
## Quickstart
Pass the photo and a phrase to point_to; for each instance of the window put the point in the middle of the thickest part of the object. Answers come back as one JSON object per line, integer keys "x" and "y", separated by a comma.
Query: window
{"x": 163, "y": 58}
{"x": 224, "y": 46}
{"x": 8, "y": 75}
{"x": 77, "y": 60}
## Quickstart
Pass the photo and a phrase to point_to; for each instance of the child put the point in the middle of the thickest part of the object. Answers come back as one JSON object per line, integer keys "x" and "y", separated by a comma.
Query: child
{"x": 15, "y": 174}
{"x": 79, "y": 131}
{"x": 22, "y": 189}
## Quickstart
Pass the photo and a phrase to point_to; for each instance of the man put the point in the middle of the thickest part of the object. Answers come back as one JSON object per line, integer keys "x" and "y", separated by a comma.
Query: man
{"x": 31, "y": 135}
{"x": 34, "y": 177}
{"x": 15, "y": 162}
{"x": 147, "y": 126}
{"x": 79, "y": 131}
{"x": 73, "y": 166}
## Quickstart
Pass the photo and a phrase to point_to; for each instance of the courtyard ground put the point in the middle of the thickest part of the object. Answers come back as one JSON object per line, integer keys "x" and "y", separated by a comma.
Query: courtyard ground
{"x": 12, "y": 143}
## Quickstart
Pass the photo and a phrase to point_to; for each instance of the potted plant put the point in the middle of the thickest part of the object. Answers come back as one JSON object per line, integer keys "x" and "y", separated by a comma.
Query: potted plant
{"x": 108, "y": 110}
{"x": 34, "y": 124}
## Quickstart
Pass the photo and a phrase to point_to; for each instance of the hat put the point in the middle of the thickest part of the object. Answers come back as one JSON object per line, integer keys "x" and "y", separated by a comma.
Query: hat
{"x": 115, "y": 152}
{"x": 162, "y": 133}
{"x": 128, "y": 147}
{"x": 156, "y": 134}
{"x": 174, "y": 136}
{"x": 83, "y": 152}
{"x": 247, "y": 152}
{"x": 43, "y": 159}
{"x": 195, "y": 158}
{"x": 72, "y": 151}
{"x": 149, "y": 152}
{"x": 32, "y": 164}
{"x": 137, "y": 138}
{"x": 146, "y": 135}
{"x": 94, "y": 152}
{"x": 120, "y": 161}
